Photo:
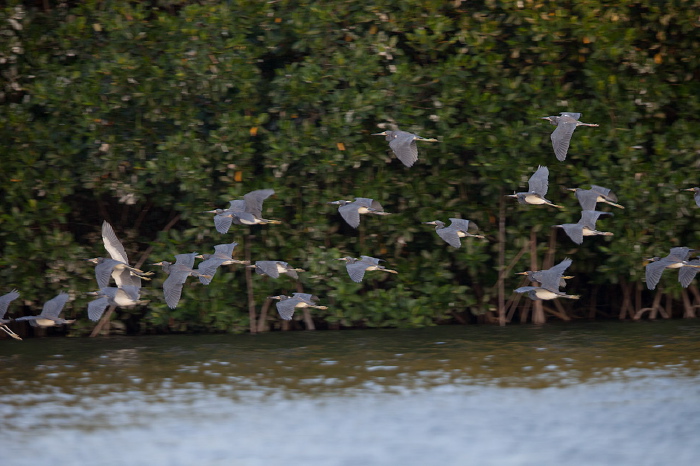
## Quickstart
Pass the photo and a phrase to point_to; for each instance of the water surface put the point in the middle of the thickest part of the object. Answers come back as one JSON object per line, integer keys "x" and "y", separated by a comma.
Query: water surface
{"x": 584, "y": 393}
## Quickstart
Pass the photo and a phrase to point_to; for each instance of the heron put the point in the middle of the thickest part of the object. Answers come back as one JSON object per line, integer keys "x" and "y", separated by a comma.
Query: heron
{"x": 222, "y": 256}
{"x": 5, "y": 301}
{"x": 538, "y": 184}
{"x": 458, "y": 228}
{"x": 287, "y": 304}
{"x": 552, "y": 278}
{"x": 128, "y": 295}
{"x": 543, "y": 294}
{"x": 123, "y": 276}
{"x": 351, "y": 210}
{"x": 677, "y": 258}
{"x": 117, "y": 266}
{"x": 588, "y": 198}
{"x": 357, "y": 267}
{"x": 696, "y": 196}
{"x": 246, "y": 211}
{"x": 566, "y": 123}
{"x": 177, "y": 276}
{"x": 404, "y": 145}
{"x": 585, "y": 226}
{"x": 49, "y": 314}
{"x": 275, "y": 268}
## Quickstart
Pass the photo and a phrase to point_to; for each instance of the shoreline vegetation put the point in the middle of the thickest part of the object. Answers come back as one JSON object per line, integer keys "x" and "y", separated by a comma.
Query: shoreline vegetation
{"x": 146, "y": 114}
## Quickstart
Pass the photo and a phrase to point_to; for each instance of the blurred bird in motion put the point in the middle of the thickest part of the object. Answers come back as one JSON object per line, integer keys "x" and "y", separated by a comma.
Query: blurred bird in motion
{"x": 177, "y": 276}
{"x": 677, "y": 258}
{"x": 566, "y": 123}
{"x": 585, "y": 226}
{"x": 458, "y": 228}
{"x": 351, "y": 210}
{"x": 404, "y": 145}
{"x": 275, "y": 268}
{"x": 287, "y": 304}
{"x": 222, "y": 256}
{"x": 49, "y": 314}
{"x": 5, "y": 301}
{"x": 128, "y": 295}
{"x": 538, "y": 184}
{"x": 357, "y": 267}
{"x": 246, "y": 211}
{"x": 588, "y": 198}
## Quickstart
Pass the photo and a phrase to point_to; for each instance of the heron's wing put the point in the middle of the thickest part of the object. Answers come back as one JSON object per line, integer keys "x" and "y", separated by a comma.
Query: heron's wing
{"x": 460, "y": 224}
{"x": 549, "y": 280}
{"x": 450, "y": 236}
{"x": 286, "y": 307}
{"x": 370, "y": 260}
{"x": 590, "y": 217}
{"x": 363, "y": 202}
{"x": 539, "y": 182}
{"x": 575, "y": 116}
{"x": 97, "y": 307}
{"x": 376, "y": 206}
{"x": 561, "y": 137}
{"x": 687, "y": 274}
{"x": 587, "y": 198}
{"x": 525, "y": 289}
{"x": 53, "y": 307}
{"x": 681, "y": 253}
{"x": 5, "y": 301}
{"x": 350, "y": 214}
{"x": 172, "y": 287}
{"x": 103, "y": 271}
{"x": 254, "y": 200}
{"x": 267, "y": 268}
{"x": 131, "y": 292}
{"x": 605, "y": 192}
{"x": 223, "y": 221}
{"x": 112, "y": 244}
{"x": 574, "y": 231}
{"x": 654, "y": 270}
{"x": 404, "y": 146}
{"x": 209, "y": 267}
{"x": 124, "y": 277}
{"x": 237, "y": 205}
{"x": 186, "y": 260}
{"x": 309, "y": 298}
{"x": 225, "y": 250}
{"x": 356, "y": 271}
{"x": 561, "y": 267}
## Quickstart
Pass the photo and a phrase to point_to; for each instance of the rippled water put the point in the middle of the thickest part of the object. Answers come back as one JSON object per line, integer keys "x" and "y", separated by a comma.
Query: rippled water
{"x": 598, "y": 393}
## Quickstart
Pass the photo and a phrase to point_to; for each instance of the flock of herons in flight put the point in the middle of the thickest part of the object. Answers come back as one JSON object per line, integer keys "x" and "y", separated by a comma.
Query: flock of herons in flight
{"x": 546, "y": 284}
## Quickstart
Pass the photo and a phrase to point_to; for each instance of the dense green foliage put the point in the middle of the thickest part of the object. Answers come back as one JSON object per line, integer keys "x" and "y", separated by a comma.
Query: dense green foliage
{"x": 147, "y": 113}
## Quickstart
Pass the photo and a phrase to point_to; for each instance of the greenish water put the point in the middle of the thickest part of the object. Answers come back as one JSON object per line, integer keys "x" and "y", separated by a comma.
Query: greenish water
{"x": 586, "y": 393}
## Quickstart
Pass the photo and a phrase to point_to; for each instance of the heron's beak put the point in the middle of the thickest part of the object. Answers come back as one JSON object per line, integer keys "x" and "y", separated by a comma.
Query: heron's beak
{"x": 511, "y": 195}
{"x": 383, "y": 133}
{"x": 429, "y": 223}
{"x": 157, "y": 263}
{"x": 521, "y": 273}
{"x": 688, "y": 189}
{"x": 571, "y": 189}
